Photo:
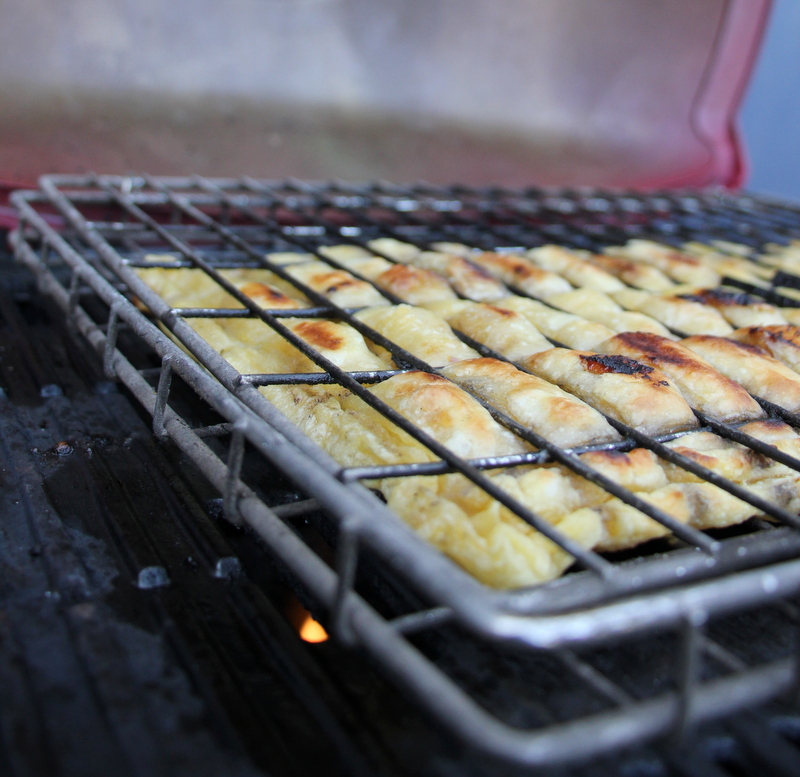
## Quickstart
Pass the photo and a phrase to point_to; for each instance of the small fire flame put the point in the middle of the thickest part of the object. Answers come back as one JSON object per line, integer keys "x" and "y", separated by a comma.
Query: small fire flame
{"x": 311, "y": 631}
{"x": 308, "y": 629}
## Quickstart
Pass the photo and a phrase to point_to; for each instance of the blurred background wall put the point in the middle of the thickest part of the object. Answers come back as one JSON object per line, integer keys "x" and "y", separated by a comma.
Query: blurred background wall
{"x": 771, "y": 110}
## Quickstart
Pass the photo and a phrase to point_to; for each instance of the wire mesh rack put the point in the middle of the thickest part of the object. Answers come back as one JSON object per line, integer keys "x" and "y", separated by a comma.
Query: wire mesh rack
{"x": 85, "y": 236}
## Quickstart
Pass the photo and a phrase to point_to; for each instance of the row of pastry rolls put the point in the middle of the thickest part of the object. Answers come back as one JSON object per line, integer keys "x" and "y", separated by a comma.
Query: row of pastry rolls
{"x": 504, "y": 329}
{"x": 709, "y": 312}
{"x": 246, "y": 351}
{"x": 494, "y": 544}
{"x": 655, "y": 401}
{"x": 402, "y": 320}
{"x": 703, "y": 386}
{"x": 696, "y": 311}
{"x": 675, "y": 288}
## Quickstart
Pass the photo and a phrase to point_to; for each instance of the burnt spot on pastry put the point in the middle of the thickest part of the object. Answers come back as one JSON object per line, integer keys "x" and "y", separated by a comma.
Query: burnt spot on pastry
{"x": 616, "y": 263}
{"x": 724, "y": 342}
{"x": 478, "y": 272}
{"x": 722, "y": 297}
{"x": 621, "y": 365}
{"x": 758, "y": 460}
{"x": 331, "y": 282}
{"x": 502, "y": 312}
{"x": 777, "y": 333}
{"x": 320, "y": 334}
{"x": 655, "y": 348}
{"x": 754, "y": 349}
{"x": 267, "y": 295}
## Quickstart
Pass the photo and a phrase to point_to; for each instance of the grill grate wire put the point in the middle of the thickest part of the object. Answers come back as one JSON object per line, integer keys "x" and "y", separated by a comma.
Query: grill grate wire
{"x": 493, "y": 613}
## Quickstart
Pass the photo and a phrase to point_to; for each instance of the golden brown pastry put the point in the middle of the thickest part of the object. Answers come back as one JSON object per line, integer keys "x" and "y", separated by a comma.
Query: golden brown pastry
{"x": 339, "y": 286}
{"x": 678, "y": 313}
{"x": 631, "y": 392}
{"x": 418, "y": 331}
{"x": 508, "y": 333}
{"x": 566, "y": 328}
{"x": 522, "y": 273}
{"x": 636, "y": 274}
{"x": 575, "y": 267}
{"x": 532, "y": 402}
{"x": 467, "y": 278}
{"x": 676, "y": 264}
{"x": 700, "y": 384}
{"x": 450, "y": 415}
{"x": 781, "y": 341}
{"x": 751, "y": 367}
{"x": 256, "y": 348}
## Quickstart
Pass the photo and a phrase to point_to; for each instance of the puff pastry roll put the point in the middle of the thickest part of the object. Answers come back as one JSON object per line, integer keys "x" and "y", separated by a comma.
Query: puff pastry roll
{"x": 751, "y": 367}
{"x": 536, "y": 404}
{"x": 780, "y": 341}
{"x": 634, "y": 393}
{"x": 419, "y": 332}
{"x": 738, "y": 308}
{"x": 504, "y": 331}
{"x": 683, "y": 315}
{"x": 523, "y": 273}
{"x": 725, "y": 457}
{"x": 566, "y": 328}
{"x": 700, "y": 384}
{"x": 636, "y": 274}
{"x": 450, "y": 415}
{"x": 467, "y": 278}
{"x": 601, "y": 308}
{"x": 339, "y": 286}
{"x": 676, "y": 264}
{"x": 395, "y": 249}
{"x": 272, "y": 353}
{"x": 575, "y": 267}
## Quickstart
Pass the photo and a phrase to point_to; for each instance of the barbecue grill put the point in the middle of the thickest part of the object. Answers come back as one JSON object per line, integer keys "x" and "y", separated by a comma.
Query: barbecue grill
{"x": 646, "y": 644}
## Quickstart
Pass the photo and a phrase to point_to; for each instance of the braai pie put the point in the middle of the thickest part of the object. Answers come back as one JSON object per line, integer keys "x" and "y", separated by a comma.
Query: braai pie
{"x": 499, "y": 352}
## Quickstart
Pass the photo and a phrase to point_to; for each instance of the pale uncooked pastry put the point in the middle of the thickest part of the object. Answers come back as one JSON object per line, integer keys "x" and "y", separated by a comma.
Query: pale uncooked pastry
{"x": 565, "y": 328}
{"x": 599, "y": 307}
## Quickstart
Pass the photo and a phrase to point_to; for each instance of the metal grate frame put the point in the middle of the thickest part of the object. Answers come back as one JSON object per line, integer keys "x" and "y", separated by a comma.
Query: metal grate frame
{"x": 110, "y": 222}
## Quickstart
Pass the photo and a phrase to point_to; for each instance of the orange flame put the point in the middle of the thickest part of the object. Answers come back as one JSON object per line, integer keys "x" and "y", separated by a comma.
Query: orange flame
{"x": 311, "y": 631}
{"x": 308, "y": 629}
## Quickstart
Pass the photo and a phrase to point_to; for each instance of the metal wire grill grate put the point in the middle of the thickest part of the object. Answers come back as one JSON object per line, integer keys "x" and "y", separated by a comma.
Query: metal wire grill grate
{"x": 111, "y": 223}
